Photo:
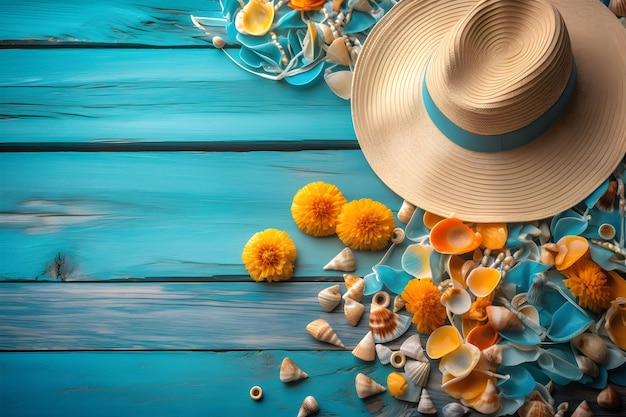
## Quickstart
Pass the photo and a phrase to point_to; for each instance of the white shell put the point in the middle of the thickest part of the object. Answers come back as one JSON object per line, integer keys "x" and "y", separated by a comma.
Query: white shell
{"x": 425, "y": 405}
{"x": 418, "y": 372}
{"x": 355, "y": 292}
{"x": 340, "y": 83}
{"x": 398, "y": 360}
{"x": 289, "y": 371}
{"x": 309, "y": 406}
{"x": 454, "y": 410}
{"x": 343, "y": 261}
{"x": 366, "y": 349}
{"x": 321, "y": 330}
{"x": 256, "y": 393}
{"x": 406, "y": 211}
{"x": 366, "y": 386}
{"x": 384, "y": 354}
{"x": 353, "y": 310}
{"x": 457, "y": 300}
{"x": 398, "y": 303}
{"x": 337, "y": 53}
{"x": 329, "y": 298}
{"x": 327, "y": 33}
{"x": 412, "y": 348}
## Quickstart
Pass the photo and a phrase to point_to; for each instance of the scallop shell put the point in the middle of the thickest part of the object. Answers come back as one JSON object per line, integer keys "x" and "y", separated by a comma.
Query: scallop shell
{"x": 452, "y": 236}
{"x": 412, "y": 348}
{"x": 337, "y": 53}
{"x": 570, "y": 249}
{"x": 353, "y": 310}
{"x": 387, "y": 325}
{"x": 494, "y": 234}
{"x": 454, "y": 410}
{"x": 321, "y": 330}
{"x": 343, "y": 261}
{"x": 406, "y": 211}
{"x": 501, "y": 318}
{"x": 618, "y": 7}
{"x": 582, "y": 410}
{"x": 255, "y": 18}
{"x": 426, "y": 405}
{"x": 366, "y": 386}
{"x": 355, "y": 290}
{"x": 289, "y": 371}
{"x": 456, "y": 300}
{"x": 615, "y": 323}
{"x": 398, "y": 303}
{"x": 384, "y": 354}
{"x": 442, "y": 341}
{"x": 418, "y": 372}
{"x": 366, "y": 348}
{"x": 461, "y": 361}
{"x": 482, "y": 281}
{"x": 609, "y": 398}
{"x": 309, "y": 407}
{"x": 329, "y": 298}
{"x": 488, "y": 402}
{"x": 592, "y": 346}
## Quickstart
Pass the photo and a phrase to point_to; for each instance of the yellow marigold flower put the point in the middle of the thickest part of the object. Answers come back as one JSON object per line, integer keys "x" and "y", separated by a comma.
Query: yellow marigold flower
{"x": 587, "y": 281}
{"x": 270, "y": 255}
{"x": 315, "y": 208}
{"x": 365, "y": 225}
{"x": 423, "y": 300}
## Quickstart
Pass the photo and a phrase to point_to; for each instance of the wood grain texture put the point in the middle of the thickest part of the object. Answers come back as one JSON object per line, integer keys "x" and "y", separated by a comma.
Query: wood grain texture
{"x": 166, "y": 215}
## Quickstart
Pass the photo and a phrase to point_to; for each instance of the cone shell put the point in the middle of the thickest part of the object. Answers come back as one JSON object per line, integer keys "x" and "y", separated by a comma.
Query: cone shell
{"x": 582, "y": 410}
{"x": 609, "y": 398}
{"x": 355, "y": 286}
{"x": 418, "y": 372}
{"x": 442, "y": 341}
{"x": 501, "y": 318}
{"x": 366, "y": 348}
{"x": 453, "y": 237}
{"x": 321, "y": 330}
{"x": 426, "y": 405}
{"x": 289, "y": 371}
{"x": 398, "y": 303}
{"x": 454, "y": 410}
{"x": 366, "y": 386}
{"x": 494, "y": 234}
{"x": 383, "y": 353}
{"x": 412, "y": 348}
{"x": 482, "y": 281}
{"x": 488, "y": 402}
{"x": 329, "y": 298}
{"x": 387, "y": 325}
{"x": 353, "y": 310}
{"x": 592, "y": 346}
{"x": 343, "y": 261}
{"x": 615, "y": 323}
{"x": 309, "y": 407}
{"x": 406, "y": 212}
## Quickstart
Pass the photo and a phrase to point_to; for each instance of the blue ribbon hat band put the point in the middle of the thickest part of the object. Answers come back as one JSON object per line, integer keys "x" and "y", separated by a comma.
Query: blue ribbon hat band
{"x": 502, "y": 142}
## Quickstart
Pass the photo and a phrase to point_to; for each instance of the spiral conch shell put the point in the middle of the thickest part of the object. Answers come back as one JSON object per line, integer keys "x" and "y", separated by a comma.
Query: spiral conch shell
{"x": 321, "y": 330}
{"x": 425, "y": 405}
{"x": 289, "y": 371}
{"x": 366, "y": 386}
{"x": 329, "y": 298}
{"x": 353, "y": 310}
{"x": 255, "y": 18}
{"x": 309, "y": 407}
{"x": 344, "y": 260}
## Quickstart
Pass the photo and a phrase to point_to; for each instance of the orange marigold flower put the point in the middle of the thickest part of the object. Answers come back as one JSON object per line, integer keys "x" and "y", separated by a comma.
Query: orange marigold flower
{"x": 270, "y": 255}
{"x": 306, "y": 4}
{"x": 365, "y": 225}
{"x": 423, "y": 300}
{"x": 315, "y": 208}
{"x": 587, "y": 281}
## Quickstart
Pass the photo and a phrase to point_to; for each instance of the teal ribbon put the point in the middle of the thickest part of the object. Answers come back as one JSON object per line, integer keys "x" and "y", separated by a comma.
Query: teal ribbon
{"x": 502, "y": 142}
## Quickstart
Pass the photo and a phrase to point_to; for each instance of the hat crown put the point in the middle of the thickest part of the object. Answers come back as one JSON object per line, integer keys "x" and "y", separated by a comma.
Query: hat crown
{"x": 501, "y": 67}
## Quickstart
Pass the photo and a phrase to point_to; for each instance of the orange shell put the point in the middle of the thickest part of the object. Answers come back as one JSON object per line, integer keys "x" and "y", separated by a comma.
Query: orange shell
{"x": 570, "y": 249}
{"x": 483, "y": 336}
{"x": 452, "y": 236}
{"x": 431, "y": 219}
{"x": 494, "y": 234}
{"x": 467, "y": 388}
{"x": 442, "y": 341}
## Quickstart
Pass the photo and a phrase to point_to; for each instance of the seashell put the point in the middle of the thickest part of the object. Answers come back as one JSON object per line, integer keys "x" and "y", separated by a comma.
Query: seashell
{"x": 606, "y": 202}
{"x": 397, "y": 360}
{"x": 467, "y": 267}
{"x": 442, "y": 341}
{"x": 327, "y": 33}
{"x": 430, "y": 219}
{"x": 366, "y": 348}
{"x": 255, "y": 18}
{"x": 483, "y": 336}
{"x": 469, "y": 387}
{"x": 452, "y": 236}
{"x": 460, "y": 362}
{"x": 609, "y": 398}
{"x": 592, "y": 346}
{"x": 406, "y": 211}
{"x": 416, "y": 260}
{"x": 387, "y": 325}
{"x": 536, "y": 408}
{"x": 454, "y": 268}
{"x": 501, "y": 318}
{"x": 454, "y": 410}
{"x": 412, "y": 348}
{"x": 256, "y": 393}
{"x": 321, "y": 330}
{"x": 353, "y": 310}
{"x": 491, "y": 356}
{"x": 488, "y": 402}
{"x": 494, "y": 234}
{"x": 351, "y": 279}
{"x": 618, "y": 7}
{"x": 615, "y": 323}
{"x": 337, "y": 53}
{"x": 218, "y": 42}
{"x": 355, "y": 290}
{"x": 309, "y": 407}
{"x": 582, "y": 410}
{"x": 384, "y": 354}
{"x": 289, "y": 371}
{"x": 366, "y": 386}
{"x": 570, "y": 249}
{"x": 588, "y": 366}
{"x": 343, "y": 261}
{"x": 456, "y": 300}
{"x": 329, "y": 298}
{"x": 381, "y": 298}
{"x": 482, "y": 281}
{"x": 309, "y": 45}
{"x": 418, "y": 372}
{"x": 426, "y": 405}
{"x": 398, "y": 303}
{"x": 340, "y": 83}
{"x": 397, "y": 384}
{"x": 562, "y": 409}
{"x": 397, "y": 235}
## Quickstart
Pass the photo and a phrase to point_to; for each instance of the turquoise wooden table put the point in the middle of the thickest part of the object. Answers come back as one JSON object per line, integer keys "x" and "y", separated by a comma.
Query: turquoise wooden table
{"x": 136, "y": 162}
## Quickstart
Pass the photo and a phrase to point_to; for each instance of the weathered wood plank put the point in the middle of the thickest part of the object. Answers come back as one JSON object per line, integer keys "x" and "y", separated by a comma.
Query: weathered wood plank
{"x": 111, "y": 96}
{"x": 166, "y": 215}
{"x": 151, "y": 22}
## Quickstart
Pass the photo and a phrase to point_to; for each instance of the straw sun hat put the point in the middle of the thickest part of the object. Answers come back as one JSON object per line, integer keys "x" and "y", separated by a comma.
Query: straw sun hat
{"x": 530, "y": 96}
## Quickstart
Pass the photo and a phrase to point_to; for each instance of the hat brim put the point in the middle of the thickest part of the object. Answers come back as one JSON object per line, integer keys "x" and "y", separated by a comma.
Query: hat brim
{"x": 550, "y": 174}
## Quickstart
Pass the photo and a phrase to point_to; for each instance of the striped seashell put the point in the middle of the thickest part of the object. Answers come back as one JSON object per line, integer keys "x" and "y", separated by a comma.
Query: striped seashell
{"x": 350, "y": 280}
{"x": 412, "y": 348}
{"x": 366, "y": 348}
{"x": 353, "y": 310}
{"x": 289, "y": 371}
{"x": 387, "y": 325}
{"x": 344, "y": 260}
{"x": 366, "y": 386}
{"x": 501, "y": 318}
{"x": 329, "y": 298}
{"x": 425, "y": 405}
{"x": 384, "y": 354}
{"x": 398, "y": 303}
{"x": 321, "y": 330}
{"x": 309, "y": 407}
{"x": 583, "y": 410}
{"x": 355, "y": 291}
{"x": 418, "y": 372}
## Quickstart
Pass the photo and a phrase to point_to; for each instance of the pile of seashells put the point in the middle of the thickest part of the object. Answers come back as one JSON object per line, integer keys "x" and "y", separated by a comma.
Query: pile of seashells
{"x": 298, "y": 41}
